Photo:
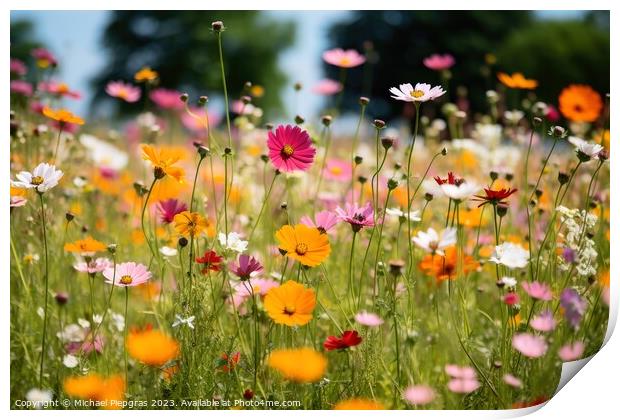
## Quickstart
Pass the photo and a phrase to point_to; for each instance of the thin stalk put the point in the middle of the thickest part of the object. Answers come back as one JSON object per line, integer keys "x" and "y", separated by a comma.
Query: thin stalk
{"x": 44, "y": 231}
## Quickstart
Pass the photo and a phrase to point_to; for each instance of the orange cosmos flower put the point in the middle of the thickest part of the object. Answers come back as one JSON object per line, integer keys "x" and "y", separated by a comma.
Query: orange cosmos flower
{"x": 152, "y": 347}
{"x": 290, "y": 304}
{"x": 445, "y": 267}
{"x": 359, "y": 404}
{"x": 304, "y": 244}
{"x": 516, "y": 81}
{"x": 145, "y": 74}
{"x": 86, "y": 247}
{"x": 298, "y": 365}
{"x": 63, "y": 116}
{"x": 580, "y": 103}
{"x": 190, "y": 224}
{"x": 109, "y": 391}
{"x": 163, "y": 161}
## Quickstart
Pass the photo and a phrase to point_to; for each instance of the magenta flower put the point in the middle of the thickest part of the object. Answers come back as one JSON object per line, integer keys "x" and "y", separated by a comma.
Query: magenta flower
{"x": 59, "y": 89}
{"x": 537, "y": 290}
{"x": 439, "y": 62}
{"x": 529, "y": 345}
{"x": 368, "y": 319}
{"x": 544, "y": 322}
{"x": 513, "y": 381}
{"x": 87, "y": 346}
{"x": 290, "y": 148}
{"x": 127, "y": 274}
{"x": 343, "y": 59}
{"x": 125, "y": 91}
{"x": 463, "y": 379}
{"x": 338, "y": 170}
{"x": 246, "y": 267}
{"x": 419, "y": 394}
{"x": 324, "y": 221}
{"x": 170, "y": 208}
{"x": 574, "y": 306}
{"x": 44, "y": 57}
{"x": 21, "y": 87}
{"x": 18, "y": 67}
{"x": 573, "y": 351}
{"x": 357, "y": 217}
{"x": 327, "y": 87}
{"x": 511, "y": 298}
{"x": 167, "y": 99}
{"x": 97, "y": 265}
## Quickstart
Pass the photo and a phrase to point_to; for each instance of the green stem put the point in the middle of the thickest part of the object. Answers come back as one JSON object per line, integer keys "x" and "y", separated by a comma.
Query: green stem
{"x": 43, "y": 229}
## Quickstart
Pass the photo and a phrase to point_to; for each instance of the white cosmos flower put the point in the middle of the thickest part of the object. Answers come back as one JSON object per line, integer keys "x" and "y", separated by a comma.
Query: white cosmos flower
{"x": 232, "y": 242}
{"x": 39, "y": 397}
{"x": 70, "y": 361}
{"x": 189, "y": 321}
{"x": 43, "y": 178}
{"x": 509, "y": 282}
{"x": 414, "y": 215}
{"x": 167, "y": 251}
{"x": 104, "y": 153}
{"x": 460, "y": 192}
{"x": 511, "y": 255}
{"x": 421, "y": 93}
{"x": 586, "y": 147}
{"x": 434, "y": 242}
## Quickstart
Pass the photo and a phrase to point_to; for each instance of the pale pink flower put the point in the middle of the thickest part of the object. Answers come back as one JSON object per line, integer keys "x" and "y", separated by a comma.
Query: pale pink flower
{"x": 125, "y": 91}
{"x": 18, "y": 67}
{"x": 59, "y": 89}
{"x": 338, "y": 170}
{"x": 421, "y": 93}
{"x": 439, "y": 62}
{"x": 419, "y": 394}
{"x": 167, "y": 99}
{"x": 128, "y": 274}
{"x": 529, "y": 345}
{"x": 97, "y": 265}
{"x": 543, "y": 322}
{"x": 463, "y": 379}
{"x": 537, "y": 290}
{"x": 357, "y": 217}
{"x": 21, "y": 87}
{"x": 18, "y": 201}
{"x": 344, "y": 59}
{"x": 513, "y": 381}
{"x": 368, "y": 319}
{"x": 198, "y": 122}
{"x": 324, "y": 221}
{"x": 327, "y": 87}
{"x": 572, "y": 351}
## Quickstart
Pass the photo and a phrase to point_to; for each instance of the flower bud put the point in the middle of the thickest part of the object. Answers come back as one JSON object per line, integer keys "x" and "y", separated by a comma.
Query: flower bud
{"x": 396, "y": 267}
{"x": 139, "y": 188}
{"x": 387, "y": 142}
{"x": 217, "y": 26}
{"x": 364, "y": 101}
{"x": 497, "y": 364}
{"x": 502, "y": 210}
{"x": 392, "y": 184}
{"x": 428, "y": 196}
{"x": 264, "y": 158}
{"x": 184, "y": 97}
{"x": 397, "y": 166}
{"x": 269, "y": 126}
{"x": 183, "y": 242}
{"x": 444, "y": 151}
{"x": 69, "y": 216}
{"x": 537, "y": 121}
{"x": 203, "y": 151}
{"x": 326, "y": 120}
{"x": 509, "y": 176}
{"x": 379, "y": 124}
{"x": 358, "y": 160}
{"x": 362, "y": 179}
{"x": 112, "y": 248}
{"x": 61, "y": 298}
{"x": 563, "y": 178}
{"x": 539, "y": 109}
{"x": 284, "y": 205}
{"x": 246, "y": 99}
{"x": 203, "y": 100}
{"x": 558, "y": 132}
{"x": 248, "y": 394}
{"x": 493, "y": 175}
{"x": 299, "y": 119}
{"x": 227, "y": 151}
{"x": 298, "y": 86}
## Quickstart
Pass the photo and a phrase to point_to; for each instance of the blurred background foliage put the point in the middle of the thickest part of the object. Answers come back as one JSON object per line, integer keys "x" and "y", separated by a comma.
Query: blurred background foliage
{"x": 555, "y": 53}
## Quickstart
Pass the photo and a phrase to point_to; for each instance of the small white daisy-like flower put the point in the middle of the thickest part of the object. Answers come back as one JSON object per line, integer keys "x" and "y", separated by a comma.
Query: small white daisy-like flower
{"x": 43, "y": 178}
{"x": 434, "y": 242}
{"x": 508, "y": 282}
{"x": 511, "y": 255}
{"x": 70, "y": 361}
{"x": 39, "y": 397}
{"x": 586, "y": 148}
{"x": 398, "y": 213}
{"x": 168, "y": 251}
{"x": 189, "y": 321}
{"x": 460, "y": 192}
{"x": 232, "y": 242}
{"x": 421, "y": 93}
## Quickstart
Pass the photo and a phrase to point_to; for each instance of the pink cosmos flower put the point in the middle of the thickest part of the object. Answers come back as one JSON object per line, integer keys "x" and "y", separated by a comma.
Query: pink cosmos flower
{"x": 419, "y": 394}
{"x": 344, "y": 59}
{"x": 246, "y": 267}
{"x": 327, "y": 87}
{"x": 243, "y": 290}
{"x": 128, "y": 274}
{"x": 529, "y": 345}
{"x": 338, "y": 170}
{"x": 439, "y": 62}
{"x": 18, "y": 201}
{"x": 18, "y": 67}
{"x": 200, "y": 124}
{"x": 93, "y": 266}
{"x": 357, "y": 217}
{"x": 463, "y": 379}
{"x": 368, "y": 319}
{"x": 44, "y": 57}
{"x": 169, "y": 208}
{"x": 513, "y": 381}
{"x": 544, "y": 322}
{"x": 572, "y": 351}
{"x": 125, "y": 91}
{"x": 511, "y": 298}
{"x": 59, "y": 89}
{"x": 290, "y": 148}
{"x": 324, "y": 221}
{"x": 538, "y": 290}
{"x": 21, "y": 87}
{"x": 87, "y": 346}
{"x": 167, "y": 99}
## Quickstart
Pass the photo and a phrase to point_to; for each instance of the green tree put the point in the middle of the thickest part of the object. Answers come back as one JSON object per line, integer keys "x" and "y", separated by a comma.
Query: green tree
{"x": 181, "y": 46}
{"x": 23, "y": 40}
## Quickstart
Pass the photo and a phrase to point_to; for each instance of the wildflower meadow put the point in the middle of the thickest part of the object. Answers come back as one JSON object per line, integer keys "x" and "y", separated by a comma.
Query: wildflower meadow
{"x": 192, "y": 253}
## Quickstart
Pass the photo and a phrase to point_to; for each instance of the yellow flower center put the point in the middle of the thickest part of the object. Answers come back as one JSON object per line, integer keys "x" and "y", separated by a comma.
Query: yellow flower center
{"x": 336, "y": 170}
{"x": 301, "y": 248}
{"x": 63, "y": 88}
{"x": 288, "y": 150}
{"x": 345, "y": 61}
{"x": 122, "y": 93}
{"x": 37, "y": 180}
{"x": 126, "y": 279}
{"x": 416, "y": 93}
{"x": 289, "y": 309}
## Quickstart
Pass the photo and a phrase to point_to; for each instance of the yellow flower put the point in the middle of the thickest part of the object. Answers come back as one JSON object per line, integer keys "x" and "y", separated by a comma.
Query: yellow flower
{"x": 152, "y": 347}
{"x": 298, "y": 365}
{"x": 109, "y": 391}
{"x": 190, "y": 224}
{"x": 516, "y": 81}
{"x": 145, "y": 74}
{"x": 359, "y": 404}
{"x": 290, "y": 304}
{"x": 163, "y": 161}
{"x": 86, "y": 246}
{"x": 63, "y": 116}
{"x": 304, "y": 244}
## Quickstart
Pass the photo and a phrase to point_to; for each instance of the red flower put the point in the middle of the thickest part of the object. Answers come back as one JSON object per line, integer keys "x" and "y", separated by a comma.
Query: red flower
{"x": 348, "y": 339}
{"x": 227, "y": 362}
{"x": 211, "y": 261}
{"x": 495, "y": 197}
{"x": 452, "y": 179}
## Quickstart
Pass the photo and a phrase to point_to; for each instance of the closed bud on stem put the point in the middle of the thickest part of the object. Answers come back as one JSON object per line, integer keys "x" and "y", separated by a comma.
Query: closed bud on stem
{"x": 246, "y": 99}
{"x": 248, "y": 394}
{"x": 217, "y": 26}
{"x": 284, "y": 205}
{"x": 444, "y": 151}
{"x": 428, "y": 196}
{"x": 563, "y": 178}
{"x": 112, "y": 248}
{"x": 493, "y": 175}
{"x": 362, "y": 179}
{"x": 397, "y": 166}
{"x": 227, "y": 151}
{"x": 203, "y": 100}
{"x": 183, "y": 241}
{"x": 203, "y": 151}
{"x": 69, "y": 216}
{"x": 537, "y": 121}
{"x": 509, "y": 176}
{"x": 298, "y": 86}
{"x": 299, "y": 119}
{"x": 379, "y": 124}
{"x": 396, "y": 267}
{"x": 264, "y": 158}
{"x": 184, "y": 97}
{"x": 139, "y": 188}
{"x": 502, "y": 210}
{"x": 387, "y": 142}
{"x": 538, "y": 193}
{"x": 392, "y": 183}
{"x": 358, "y": 160}
{"x": 364, "y": 101}
{"x": 61, "y": 298}
{"x": 326, "y": 120}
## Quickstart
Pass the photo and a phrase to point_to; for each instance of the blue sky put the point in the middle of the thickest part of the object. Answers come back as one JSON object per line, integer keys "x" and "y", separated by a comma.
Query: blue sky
{"x": 74, "y": 36}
